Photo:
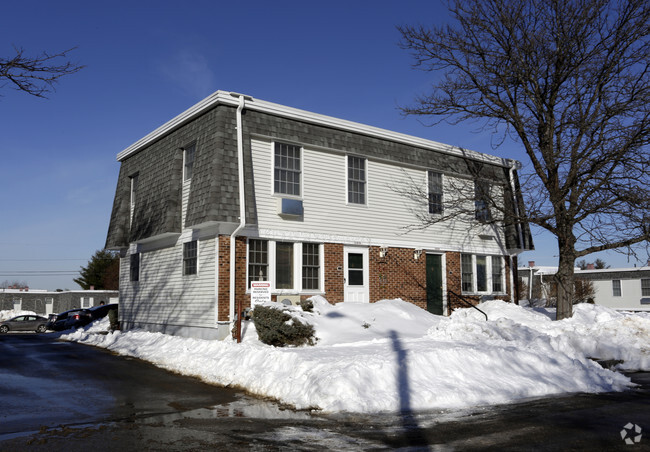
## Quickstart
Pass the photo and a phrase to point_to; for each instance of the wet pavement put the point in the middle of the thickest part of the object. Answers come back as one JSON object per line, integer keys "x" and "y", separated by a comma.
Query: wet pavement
{"x": 65, "y": 396}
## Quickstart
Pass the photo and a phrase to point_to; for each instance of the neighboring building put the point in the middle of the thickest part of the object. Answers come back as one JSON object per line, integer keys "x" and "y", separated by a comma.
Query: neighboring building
{"x": 236, "y": 190}
{"x": 620, "y": 288}
{"x": 44, "y": 303}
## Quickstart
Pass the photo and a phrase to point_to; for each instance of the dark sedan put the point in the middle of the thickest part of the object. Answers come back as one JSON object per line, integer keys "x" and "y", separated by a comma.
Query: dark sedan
{"x": 24, "y": 323}
{"x": 63, "y": 321}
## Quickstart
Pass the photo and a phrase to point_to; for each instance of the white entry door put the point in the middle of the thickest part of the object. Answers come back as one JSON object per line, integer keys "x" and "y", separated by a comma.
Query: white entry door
{"x": 49, "y": 306}
{"x": 356, "y": 274}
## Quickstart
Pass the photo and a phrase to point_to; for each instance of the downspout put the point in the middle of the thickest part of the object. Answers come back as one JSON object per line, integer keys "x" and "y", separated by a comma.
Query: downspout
{"x": 242, "y": 211}
{"x": 515, "y": 205}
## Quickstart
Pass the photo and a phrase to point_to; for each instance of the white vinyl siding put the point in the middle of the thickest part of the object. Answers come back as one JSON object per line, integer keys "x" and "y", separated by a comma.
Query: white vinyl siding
{"x": 164, "y": 296}
{"x": 326, "y": 211}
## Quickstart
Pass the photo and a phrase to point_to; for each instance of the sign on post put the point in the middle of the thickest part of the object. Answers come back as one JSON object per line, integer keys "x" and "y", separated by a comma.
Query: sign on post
{"x": 260, "y": 292}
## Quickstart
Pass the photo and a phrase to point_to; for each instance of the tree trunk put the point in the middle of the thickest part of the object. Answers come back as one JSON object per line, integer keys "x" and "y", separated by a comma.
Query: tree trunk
{"x": 565, "y": 289}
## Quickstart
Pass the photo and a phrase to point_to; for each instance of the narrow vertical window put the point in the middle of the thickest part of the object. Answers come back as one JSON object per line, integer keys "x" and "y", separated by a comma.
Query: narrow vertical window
{"x": 497, "y": 274}
{"x": 134, "y": 189}
{"x": 435, "y": 192}
{"x": 645, "y": 287}
{"x": 190, "y": 258}
{"x": 286, "y": 175}
{"x": 616, "y": 287}
{"x": 481, "y": 201}
{"x": 310, "y": 266}
{"x": 356, "y": 180}
{"x": 258, "y": 261}
{"x": 481, "y": 274}
{"x": 188, "y": 158}
{"x": 284, "y": 265}
{"x": 467, "y": 274}
{"x": 135, "y": 267}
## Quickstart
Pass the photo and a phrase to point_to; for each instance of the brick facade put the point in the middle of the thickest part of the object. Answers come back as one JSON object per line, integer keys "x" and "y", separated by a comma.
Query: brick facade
{"x": 398, "y": 275}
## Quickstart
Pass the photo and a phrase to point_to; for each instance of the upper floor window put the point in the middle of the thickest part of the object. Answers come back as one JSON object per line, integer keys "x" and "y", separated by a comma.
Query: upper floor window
{"x": 134, "y": 189}
{"x": 286, "y": 174}
{"x": 482, "y": 201}
{"x": 188, "y": 161}
{"x": 616, "y": 287}
{"x": 435, "y": 192}
{"x": 356, "y": 180}
{"x": 135, "y": 267}
{"x": 190, "y": 258}
{"x": 645, "y": 287}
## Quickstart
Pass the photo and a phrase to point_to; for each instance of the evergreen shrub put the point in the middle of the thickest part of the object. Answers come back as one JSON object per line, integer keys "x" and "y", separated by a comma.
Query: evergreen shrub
{"x": 276, "y": 327}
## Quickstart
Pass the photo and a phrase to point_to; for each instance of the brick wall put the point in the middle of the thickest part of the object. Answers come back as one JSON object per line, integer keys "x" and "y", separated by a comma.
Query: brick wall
{"x": 334, "y": 274}
{"x": 398, "y": 275}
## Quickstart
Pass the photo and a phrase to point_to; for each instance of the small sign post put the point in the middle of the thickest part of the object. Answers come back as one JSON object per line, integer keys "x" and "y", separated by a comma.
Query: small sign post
{"x": 260, "y": 292}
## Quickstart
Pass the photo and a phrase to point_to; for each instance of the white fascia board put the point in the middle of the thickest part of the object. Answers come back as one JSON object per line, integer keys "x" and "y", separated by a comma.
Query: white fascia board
{"x": 228, "y": 98}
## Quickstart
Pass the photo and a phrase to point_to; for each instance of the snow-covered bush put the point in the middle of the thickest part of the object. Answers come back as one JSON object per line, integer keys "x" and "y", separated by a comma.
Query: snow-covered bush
{"x": 276, "y": 326}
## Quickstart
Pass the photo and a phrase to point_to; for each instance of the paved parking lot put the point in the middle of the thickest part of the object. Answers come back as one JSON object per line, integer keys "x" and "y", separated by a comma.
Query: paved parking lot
{"x": 66, "y": 396}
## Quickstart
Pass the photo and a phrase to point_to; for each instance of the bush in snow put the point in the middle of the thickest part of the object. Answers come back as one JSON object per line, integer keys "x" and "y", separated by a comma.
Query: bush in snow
{"x": 275, "y": 326}
{"x": 306, "y": 305}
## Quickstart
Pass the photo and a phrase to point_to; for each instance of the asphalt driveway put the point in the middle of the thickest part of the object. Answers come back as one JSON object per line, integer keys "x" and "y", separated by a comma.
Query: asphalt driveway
{"x": 65, "y": 396}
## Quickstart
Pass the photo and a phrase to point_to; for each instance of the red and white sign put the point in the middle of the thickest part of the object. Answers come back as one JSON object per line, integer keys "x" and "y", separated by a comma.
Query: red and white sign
{"x": 260, "y": 292}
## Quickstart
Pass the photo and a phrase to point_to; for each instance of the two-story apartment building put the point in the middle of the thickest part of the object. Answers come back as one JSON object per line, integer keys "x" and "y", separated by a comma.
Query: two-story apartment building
{"x": 237, "y": 190}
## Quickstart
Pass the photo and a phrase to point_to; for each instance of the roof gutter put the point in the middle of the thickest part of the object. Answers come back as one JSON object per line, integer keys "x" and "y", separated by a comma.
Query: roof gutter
{"x": 236, "y": 315}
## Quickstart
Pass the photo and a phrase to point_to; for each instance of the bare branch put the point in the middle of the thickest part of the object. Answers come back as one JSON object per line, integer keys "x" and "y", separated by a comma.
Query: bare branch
{"x": 36, "y": 75}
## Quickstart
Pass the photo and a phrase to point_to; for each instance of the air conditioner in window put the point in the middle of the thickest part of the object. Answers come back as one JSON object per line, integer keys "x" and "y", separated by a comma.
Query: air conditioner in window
{"x": 291, "y": 208}
{"x": 289, "y": 299}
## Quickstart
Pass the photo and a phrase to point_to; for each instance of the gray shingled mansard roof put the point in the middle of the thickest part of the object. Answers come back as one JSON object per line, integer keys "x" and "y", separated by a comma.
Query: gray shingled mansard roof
{"x": 157, "y": 159}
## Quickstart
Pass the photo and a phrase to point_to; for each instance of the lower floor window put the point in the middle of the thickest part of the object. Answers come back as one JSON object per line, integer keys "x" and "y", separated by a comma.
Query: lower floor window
{"x": 288, "y": 265}
{"x": 135, "y": 267}
{"x": 190, "y": 258}
{"x": 482, "y": 274}
{"x": 616, "y": 287}
{"x": 645, "y": 287}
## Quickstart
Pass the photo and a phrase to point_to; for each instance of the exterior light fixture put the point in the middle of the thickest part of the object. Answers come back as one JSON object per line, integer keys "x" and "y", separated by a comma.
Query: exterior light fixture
{"x": 382, "y": 251}
{"x": 417, "y": 254}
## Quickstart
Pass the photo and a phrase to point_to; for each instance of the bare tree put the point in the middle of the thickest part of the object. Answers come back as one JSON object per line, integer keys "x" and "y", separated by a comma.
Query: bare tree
{"x": 569, "y": 80}
{"x": 36, "y": 75}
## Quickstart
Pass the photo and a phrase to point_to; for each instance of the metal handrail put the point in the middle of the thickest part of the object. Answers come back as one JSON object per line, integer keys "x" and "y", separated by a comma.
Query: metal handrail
{"x": 461, "y": 298}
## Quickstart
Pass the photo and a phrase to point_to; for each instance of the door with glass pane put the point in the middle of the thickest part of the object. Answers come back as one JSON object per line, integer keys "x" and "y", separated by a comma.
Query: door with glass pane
{"x": 356, "y": 274}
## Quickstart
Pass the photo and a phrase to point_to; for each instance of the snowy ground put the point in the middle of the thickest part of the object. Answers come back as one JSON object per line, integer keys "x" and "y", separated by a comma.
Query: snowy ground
{"x": 394, "y": 356}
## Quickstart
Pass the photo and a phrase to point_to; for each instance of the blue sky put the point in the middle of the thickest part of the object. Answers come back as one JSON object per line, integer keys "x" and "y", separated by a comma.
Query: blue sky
{"x": 148, "y": 61}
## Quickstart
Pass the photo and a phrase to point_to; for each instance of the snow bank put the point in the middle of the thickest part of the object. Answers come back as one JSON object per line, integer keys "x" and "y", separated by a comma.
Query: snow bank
{"x": 392, "y": 356}
{"x": 11, "y": 313}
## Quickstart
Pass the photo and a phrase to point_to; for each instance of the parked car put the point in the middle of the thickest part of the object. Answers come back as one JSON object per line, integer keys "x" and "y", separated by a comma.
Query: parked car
{"x": 98, "y": 312}
{"x": 24, "y": 323}
{"x": 85, "y": 316}
{"x": 59, "y": 322}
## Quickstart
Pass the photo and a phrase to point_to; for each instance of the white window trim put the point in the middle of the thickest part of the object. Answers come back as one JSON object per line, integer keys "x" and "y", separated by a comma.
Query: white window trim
{"x": 132, "y": 281}
{"x": 302, "y": 171}
{"x": 620, "y": 288}
{"x": 189, "y": 146}
{"x": 198, "y": 260}
{"x": 442, "y": 194}
{"x": 488, "y": 271}
{"x": 645, "y": 279}
{"x": 365, "y": 185}
{"x": 297, "y": 268}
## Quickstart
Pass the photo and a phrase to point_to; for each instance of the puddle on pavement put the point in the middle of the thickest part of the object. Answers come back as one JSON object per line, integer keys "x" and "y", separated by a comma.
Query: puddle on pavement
{"x": 244, "y": 407}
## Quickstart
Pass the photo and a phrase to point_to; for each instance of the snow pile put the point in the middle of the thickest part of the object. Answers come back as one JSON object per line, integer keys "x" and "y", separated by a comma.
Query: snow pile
{"x": 392, "y": 356}
{"x": 11, "y": 313}
{"x": 593, "y": 331}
